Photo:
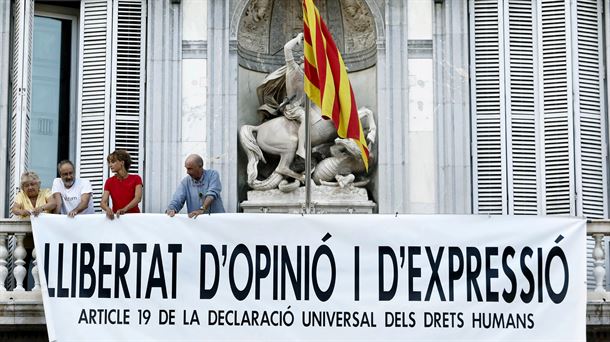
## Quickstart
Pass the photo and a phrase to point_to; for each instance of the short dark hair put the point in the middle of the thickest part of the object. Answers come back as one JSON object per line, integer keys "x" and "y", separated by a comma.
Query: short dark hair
{"x": 120, "y": 155}
{"x": 63, "y": 162}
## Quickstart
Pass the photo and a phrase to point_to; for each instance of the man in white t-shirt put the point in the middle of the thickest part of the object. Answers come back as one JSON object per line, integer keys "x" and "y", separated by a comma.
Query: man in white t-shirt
{"x": 72, "y": 195}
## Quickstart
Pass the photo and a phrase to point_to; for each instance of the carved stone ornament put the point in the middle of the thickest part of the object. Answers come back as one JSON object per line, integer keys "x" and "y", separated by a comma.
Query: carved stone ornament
{"x": 266, "y": 24}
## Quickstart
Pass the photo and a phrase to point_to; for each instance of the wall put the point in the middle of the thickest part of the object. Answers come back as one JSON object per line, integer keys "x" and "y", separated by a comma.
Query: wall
{"x": 422, "y": 162}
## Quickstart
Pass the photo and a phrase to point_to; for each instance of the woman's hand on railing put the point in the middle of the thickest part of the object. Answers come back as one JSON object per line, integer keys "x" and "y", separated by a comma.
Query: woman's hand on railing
{"x": 109, "y": 214}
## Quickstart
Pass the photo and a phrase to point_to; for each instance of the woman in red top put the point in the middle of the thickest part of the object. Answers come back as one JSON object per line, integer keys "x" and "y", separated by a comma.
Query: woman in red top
{"x": 124, "y": 189}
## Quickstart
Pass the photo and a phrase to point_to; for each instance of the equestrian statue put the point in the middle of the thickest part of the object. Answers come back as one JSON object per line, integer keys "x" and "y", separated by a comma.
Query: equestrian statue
{"x": 281, "y": 98}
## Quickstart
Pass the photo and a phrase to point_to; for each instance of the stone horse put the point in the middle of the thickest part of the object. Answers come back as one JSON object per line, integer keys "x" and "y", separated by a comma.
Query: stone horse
{"x": 279, "y": 136}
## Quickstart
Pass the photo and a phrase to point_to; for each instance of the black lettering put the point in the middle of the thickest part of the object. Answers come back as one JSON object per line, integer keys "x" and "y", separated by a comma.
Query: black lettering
{"x": 275, "y": 271}
{"x": 306, "y": 273}
{"x": 139, "y": 248}
{"x": 434, "y": 278}
{"x": 174, "y": 249}
{"x": 103, "y": 292}
{"x": 203, "y": 292}
{"x": 509, "y": 296}
{"x": 356, "y": 273}
{"x": 74, "y": 272}
{"x": 389, "y": 294}
{"x": 83, "y": 317}
{"x": 121, "y": 271}
{"x": 156, "y": 262}
{"x": 471, "y": 275}
{"x": 61, "y": 291}
{"x": 295, "y": 280}
{"x": 261, "y": 250}
{"x": 455, "y": 274}
{"x": 51, "y": 290}
{"x": 557, "y": 297}
{"x": 490, "y": 273}
{"x": 323, "y": 295}
{"x": 237, "y": 293}
{"x": 414, "y": 272}
{"x": 540, "y": 275}
{"x": 526, "y": 297}
{"x": 86, "y": 269}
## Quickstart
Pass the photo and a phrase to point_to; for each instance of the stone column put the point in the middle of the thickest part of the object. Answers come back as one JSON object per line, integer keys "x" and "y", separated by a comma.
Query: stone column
{"x": 451, "y": 100}
{"x": 599, "y": 258}
{"x": 35, "y": 273}
{"x": 393, "y": 104}
{"x": 221, "y": 107}
{"x": 20, "y": 270}
{"x": 163, "y": 165}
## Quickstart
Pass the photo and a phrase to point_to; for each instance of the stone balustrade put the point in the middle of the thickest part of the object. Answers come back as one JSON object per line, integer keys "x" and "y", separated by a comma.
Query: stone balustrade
{"x": 20, "y": 305}
{"x": 598, "y": 299}
{"x": 597, "y": 229}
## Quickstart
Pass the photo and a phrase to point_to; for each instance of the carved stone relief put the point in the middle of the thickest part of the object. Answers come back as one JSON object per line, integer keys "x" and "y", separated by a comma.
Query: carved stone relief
{"x": 357, "y": 19}
{"x": 267, "y": 24}
{"x": 254, "y": 24}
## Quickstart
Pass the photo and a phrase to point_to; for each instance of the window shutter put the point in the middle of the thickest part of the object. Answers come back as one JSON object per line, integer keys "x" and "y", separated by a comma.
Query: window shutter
{"x": 590, "y": 136}
{"x": 557, "y": 112}
{"x": 21, "y": 79}
{"x": 489, "y": 152}
{"x": 524, "y": 185}
{"x": 552, "y": 141}
{"x": 556, "y": 133}
{"x": 590, "y": 157}
{"x": 128, "y": 80}
{"x": 112, "y": 86}
{"x": 94, "y": 93}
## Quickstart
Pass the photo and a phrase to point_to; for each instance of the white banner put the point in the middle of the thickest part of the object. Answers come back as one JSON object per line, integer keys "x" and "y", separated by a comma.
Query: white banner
{"x": 318, "y": 277}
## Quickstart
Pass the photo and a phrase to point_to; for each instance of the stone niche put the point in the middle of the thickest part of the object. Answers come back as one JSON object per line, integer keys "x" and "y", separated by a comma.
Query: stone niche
{"x": 267, "y": 24}
{"x": 264, "y": 28}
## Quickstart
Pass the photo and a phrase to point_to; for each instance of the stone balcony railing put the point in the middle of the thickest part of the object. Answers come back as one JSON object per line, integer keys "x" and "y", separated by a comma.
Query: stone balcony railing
{"x": 18, "y": 306}
{"x": 598, "y": 299}
{"x": 21, "y": 307}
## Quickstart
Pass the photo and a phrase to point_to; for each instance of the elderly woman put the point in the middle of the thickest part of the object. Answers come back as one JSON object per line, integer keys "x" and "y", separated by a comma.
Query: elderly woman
{"x": 31, "y": 200}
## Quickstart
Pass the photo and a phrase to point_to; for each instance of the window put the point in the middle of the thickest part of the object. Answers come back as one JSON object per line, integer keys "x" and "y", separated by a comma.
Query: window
{"x": 538, "y": 109}
{"x": 52, "y": 120}
{"x": 77, "y": 87}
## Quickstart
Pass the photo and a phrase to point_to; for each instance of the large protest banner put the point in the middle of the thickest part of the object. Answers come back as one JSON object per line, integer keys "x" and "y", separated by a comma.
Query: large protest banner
{"x": 317, "y": 277}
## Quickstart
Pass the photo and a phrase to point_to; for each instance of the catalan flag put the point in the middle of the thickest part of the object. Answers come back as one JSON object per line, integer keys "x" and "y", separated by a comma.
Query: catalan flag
{"x": 326, "y": 81}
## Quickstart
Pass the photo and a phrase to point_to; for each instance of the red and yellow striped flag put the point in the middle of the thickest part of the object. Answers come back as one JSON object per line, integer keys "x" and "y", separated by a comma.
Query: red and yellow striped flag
{"x": 326, "y": 81}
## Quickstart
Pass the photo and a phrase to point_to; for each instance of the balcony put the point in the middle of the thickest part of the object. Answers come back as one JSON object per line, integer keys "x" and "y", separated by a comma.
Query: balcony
{"x": 22, "y": 314}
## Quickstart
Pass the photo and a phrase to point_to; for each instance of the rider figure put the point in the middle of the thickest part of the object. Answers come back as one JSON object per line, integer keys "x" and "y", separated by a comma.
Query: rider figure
{"x": 283, "y": 91}
{"x": 295, "y": 87}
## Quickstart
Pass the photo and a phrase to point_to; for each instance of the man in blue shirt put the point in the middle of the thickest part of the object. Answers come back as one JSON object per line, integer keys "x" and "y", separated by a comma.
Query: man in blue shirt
{"x": 200, "y": 190}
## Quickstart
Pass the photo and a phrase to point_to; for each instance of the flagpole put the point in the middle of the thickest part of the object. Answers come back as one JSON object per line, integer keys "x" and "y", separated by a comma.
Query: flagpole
{"x": 340, "y": 106}
{"x": 307, "y": 158}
